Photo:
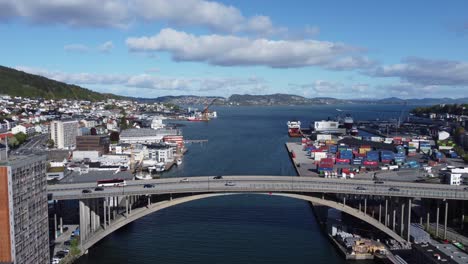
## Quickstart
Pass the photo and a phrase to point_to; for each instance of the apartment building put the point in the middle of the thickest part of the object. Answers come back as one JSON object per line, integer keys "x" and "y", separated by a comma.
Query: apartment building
{"x": 63, "y": 133}
{"x": 24, "y": 228}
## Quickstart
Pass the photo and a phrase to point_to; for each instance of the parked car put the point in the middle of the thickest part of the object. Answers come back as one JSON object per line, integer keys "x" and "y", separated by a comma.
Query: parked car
{"x": 393, "y": 189}
{"x": 379, "y": 182}
{"x": 67, "y": 243}
{"x": 218, "y": 177}
{"x": 184, "y": 180}
{"x": 360, "y": 188}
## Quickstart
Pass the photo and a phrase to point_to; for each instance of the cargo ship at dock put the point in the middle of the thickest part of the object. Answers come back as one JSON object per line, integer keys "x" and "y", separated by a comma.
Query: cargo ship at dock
{"x": 294, "y": 128}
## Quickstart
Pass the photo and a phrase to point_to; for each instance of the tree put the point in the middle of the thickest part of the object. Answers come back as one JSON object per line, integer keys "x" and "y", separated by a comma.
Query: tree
{"x": 114, "y": 136}
{"x": 13, "y": 142}
{"x": 50, "y": 143}
{"x": 21, "y": 137}
{"x": 93, "y": 131}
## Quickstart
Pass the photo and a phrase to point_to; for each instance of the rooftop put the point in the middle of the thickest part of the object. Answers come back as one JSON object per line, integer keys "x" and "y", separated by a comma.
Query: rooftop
{"x": 94, "y": 176}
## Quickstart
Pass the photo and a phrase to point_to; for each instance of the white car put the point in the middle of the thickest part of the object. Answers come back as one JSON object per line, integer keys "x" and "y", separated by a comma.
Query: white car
{"x": 184, "y": 180}
{"x": 230, "y": 183}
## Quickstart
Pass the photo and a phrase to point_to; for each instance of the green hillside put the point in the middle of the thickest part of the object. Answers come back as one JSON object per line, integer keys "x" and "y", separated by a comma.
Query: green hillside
{"x": 18, "y": 83}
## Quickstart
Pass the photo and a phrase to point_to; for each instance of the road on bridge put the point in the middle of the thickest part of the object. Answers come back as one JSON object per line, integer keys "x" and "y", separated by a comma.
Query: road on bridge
{"x": 249, "y": 184}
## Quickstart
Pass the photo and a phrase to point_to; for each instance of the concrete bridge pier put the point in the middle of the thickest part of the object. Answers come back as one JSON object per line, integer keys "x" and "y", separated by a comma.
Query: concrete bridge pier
{"x": 104, "y": 212}
{"x": 437, "y": 218}
{"x": 446, "y": 218}
{"x": 386, "y": 212}
{"x": 402, "y": 218}
{"x": 126, "y": 206}
{"x": 89, "y": 218}
{"x": 380, "y": 212}
{"x": 365, "y": 206}
{"x": 408, "y": 229}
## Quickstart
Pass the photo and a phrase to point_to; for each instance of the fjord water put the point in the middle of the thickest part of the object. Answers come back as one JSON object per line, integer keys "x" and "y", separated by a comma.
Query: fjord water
{"x": 240, "y": 228}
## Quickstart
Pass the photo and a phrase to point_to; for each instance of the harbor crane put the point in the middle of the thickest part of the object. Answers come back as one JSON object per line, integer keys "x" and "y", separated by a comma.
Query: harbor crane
{"x": 205, "y": 112}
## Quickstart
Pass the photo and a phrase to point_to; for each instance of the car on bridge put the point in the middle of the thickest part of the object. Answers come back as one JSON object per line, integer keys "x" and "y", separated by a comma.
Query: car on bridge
{"x": 218, "y": 177}
{"x": 86, "y": 191}
{"x": 360, "y": 188}
{"x": 184, "y": 180}
{"x": 99, "y": 189}
{"x": 230, "y": 183}
{"x": 148, "y": 185}
{"x": 393, "y": 189}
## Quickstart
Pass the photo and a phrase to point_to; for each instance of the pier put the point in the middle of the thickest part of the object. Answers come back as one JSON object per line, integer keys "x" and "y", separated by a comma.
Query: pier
{"x": 302, "y": 164}
{"x": 196, "y": 141}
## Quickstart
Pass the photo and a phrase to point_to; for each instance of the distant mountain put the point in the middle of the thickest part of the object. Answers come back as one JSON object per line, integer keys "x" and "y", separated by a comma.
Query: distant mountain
{"x": 290, "y": 99}
{"x": 19, "y": 83}
{"x": 185, "y": 100}
{"x": 277, "y": 99}
{"x": 423, "y": 101}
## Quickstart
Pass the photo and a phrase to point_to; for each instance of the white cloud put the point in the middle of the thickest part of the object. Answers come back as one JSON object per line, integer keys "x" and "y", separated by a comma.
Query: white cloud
{"x": 106, "y": 47}
{"x": 229, "y": 50}
{"x": 216, "y": 16}
{"x": 426, "y": 72}
{"x": 146, "y": 81}
{"x": 69, "y": 12}
{"x": 79, "y": 48}
{"x": 325, "y": 88}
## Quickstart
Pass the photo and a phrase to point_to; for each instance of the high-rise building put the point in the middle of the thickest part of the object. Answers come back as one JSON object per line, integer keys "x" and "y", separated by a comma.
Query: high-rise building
{"x": 63, "y": 133}
{"x": 24, "y": 228}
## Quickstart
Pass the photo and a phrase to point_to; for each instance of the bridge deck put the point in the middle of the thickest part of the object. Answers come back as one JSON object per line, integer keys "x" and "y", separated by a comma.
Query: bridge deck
{"x": 290, "y": 184}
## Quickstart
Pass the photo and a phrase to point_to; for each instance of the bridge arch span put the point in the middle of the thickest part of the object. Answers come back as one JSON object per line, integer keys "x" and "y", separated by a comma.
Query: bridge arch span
{"x": 135, "y": 215}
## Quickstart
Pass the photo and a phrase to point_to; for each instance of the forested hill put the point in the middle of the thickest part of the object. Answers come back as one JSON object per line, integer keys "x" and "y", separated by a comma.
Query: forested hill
{"x": 19, "y": 83}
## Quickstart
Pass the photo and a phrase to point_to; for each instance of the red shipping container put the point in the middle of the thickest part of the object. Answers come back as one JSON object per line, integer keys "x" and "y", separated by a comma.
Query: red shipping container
{"x": 370, "y": 163}
{"x": 343, "y": 160}
{"x": 347, "y": 171}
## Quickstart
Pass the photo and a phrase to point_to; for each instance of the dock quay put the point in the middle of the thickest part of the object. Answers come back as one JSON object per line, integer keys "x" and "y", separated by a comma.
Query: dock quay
{"x": 303, "y": 165}
{"x": 320, "y": 212}
{"x": 195, "y": 141}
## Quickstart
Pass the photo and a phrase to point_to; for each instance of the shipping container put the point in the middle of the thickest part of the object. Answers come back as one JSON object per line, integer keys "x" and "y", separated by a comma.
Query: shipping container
{"x": 342, "y": 161}
{"x": 368, "y": 163}
{"x": 372, "y": 156}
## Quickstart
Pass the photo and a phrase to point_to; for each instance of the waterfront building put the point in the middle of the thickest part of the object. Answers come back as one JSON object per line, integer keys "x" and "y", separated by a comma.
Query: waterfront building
{"x": 160, "y": 153}
{"x": 24, "y": 227}
{"x": 63, "y": 133}
{"x": 146, "y": 135}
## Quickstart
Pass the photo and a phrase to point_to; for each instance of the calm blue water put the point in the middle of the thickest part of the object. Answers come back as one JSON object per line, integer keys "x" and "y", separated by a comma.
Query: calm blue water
{"x": 241, "y": 228}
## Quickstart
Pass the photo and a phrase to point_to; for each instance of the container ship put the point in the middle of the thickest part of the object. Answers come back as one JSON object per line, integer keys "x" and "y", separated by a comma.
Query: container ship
{"x": 294, "y": 128}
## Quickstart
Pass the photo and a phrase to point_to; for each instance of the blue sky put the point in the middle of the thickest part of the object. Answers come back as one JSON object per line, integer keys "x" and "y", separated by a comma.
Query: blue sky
{"x": 150, "y": 48}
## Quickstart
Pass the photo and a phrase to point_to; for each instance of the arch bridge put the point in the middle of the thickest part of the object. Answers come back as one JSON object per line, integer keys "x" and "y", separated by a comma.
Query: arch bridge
{"x": 387, "y": 206}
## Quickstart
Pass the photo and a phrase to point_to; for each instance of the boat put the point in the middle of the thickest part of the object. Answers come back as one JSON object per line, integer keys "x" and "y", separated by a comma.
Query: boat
{"x": 348, "y": 122}
{"x": 328, "y": 127}
{"x": 294, "y": 128}
{"x": 143, "y": 176}
{"x": 179, "y": 162}
{"x": 160, "y": 166}
{"x": 354, "y": 131}
{"x": 195, "y": 119}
